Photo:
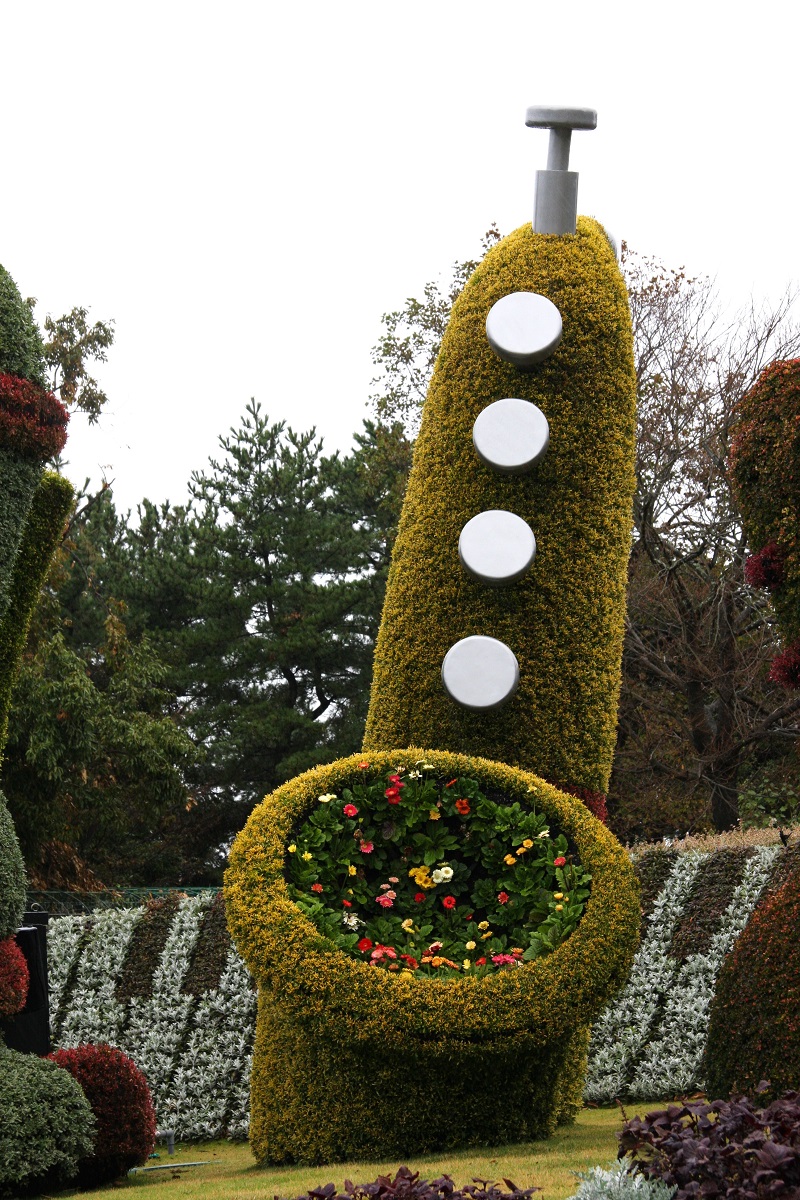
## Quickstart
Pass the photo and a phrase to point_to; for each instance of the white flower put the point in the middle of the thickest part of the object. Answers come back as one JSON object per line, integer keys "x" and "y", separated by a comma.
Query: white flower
{"x": 438, "y": 876}
{"x": 351, "y": 920}
{"x": 428, "y": 767}
{"x": 446, "y": 874}
{"x": 415, "y": 774}
{"x": 326, "y": 799}
{"x": 545, "y": 833}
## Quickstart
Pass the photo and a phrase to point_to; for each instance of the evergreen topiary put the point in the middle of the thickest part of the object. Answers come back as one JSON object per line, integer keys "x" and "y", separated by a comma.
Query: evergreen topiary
{"x": 21, "y": 348}
{"x": 46, "y": 1125}
{"x": 120, "y": 1100}
{"x": 352, "y": 1059}
{"x": 12, "y": 875}
{"x": 564, "y": 620}
{"x": 765, "y": 470}
{"x": 754, "y": 1028}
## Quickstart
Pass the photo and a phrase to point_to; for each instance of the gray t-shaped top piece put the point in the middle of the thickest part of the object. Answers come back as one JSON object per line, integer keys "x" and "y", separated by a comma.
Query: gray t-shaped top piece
{"x": 560, "y": 122}
{"x": 556, "y": 205}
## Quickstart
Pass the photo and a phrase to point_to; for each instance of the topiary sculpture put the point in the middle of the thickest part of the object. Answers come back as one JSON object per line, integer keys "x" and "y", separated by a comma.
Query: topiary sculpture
{"x": 47, "y": 1123}
{"x": 754, "y": 1028}
{"x": 765, "y": 469}
{"x": 120, "y": 1100}
{"x": 383, "y": 1028}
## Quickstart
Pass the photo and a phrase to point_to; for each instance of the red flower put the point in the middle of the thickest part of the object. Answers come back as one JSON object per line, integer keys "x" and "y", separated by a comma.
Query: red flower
{"x": 410, "y": 961}
{"x": 347, "y": 903}
{"x": 316, "y": 887}
{"x": 420, "y": 897}
{"x": 363, "y": 766}
{"x": 502, "y": 897}
{"x": 366, "y": 847}
{"x": 480, "y": 962}
{"x": 450, "y": 784}
{"x": 350, "y": 810}
{"x": 462, "y": 806}
{"x": 364, "y": 945}
{"x": 559, "y": 862}
{"x": 471, "y": 917}
{"x": 448, "y": 901}
{"x": 397, "y": 781}
{"x": 392, "y": 794}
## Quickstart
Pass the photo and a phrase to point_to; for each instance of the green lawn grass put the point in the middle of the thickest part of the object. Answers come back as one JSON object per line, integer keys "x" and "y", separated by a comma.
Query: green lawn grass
{"x": 231, "y": 1173}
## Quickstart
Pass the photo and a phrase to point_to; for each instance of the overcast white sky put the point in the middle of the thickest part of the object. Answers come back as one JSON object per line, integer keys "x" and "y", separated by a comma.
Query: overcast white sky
{"x": 246, "y": 187}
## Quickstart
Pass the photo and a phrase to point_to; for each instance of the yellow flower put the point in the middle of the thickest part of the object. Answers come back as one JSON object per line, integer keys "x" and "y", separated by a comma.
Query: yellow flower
{"x": 292, "y": 848}
{"x": 437, "y": 961}
{"x": 566, "y": 898}
{"x": 307, "y": 857}
{"x": 466, "y": 964}
{"x": 509, "y": 858}
{"x": 408, "y": 924}
{"x": 351, "y": 870}
{"x": 483, "y": 924}
{"x": 527, "y": 843}
{"x": 486, "y": 935}
{"x": 470, "y": 946}
{"x": 521, "y": 850}
{"x": 349, "y": 891}
{"x": 434, "y": 815}
{"x": 559, "y": 907}
{"x": 558, "y": 895}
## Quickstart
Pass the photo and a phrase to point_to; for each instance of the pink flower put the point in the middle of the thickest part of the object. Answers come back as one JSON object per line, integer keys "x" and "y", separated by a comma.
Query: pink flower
{"x": 385, "y": 900}
{"x": 504, "y": 960}
{"x": 350, "y": 810}
{"x": 559, "y": 862}
{"x": 366, "y": 847}
{"x": 502, "y": 897}
{"x": 393, "y": 879}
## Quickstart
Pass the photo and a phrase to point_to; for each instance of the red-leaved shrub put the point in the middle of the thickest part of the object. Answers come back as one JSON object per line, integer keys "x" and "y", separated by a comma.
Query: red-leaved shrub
{"x": 785, "y": 667}
{"x": 120, "y": 1100}
{"x": 33, "y": 422}
{"x": 765, "y": 568}
{"x": 14, "y": 978}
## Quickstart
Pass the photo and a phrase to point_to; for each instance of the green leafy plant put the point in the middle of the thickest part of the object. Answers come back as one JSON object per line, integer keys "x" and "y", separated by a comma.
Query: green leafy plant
{"x": 410, "y": 870}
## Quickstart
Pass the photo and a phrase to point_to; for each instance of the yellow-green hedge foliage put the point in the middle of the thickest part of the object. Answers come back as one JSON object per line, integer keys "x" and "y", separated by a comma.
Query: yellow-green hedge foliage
{"x": 353, "y": 1061}
{"x": 564, "y": 622}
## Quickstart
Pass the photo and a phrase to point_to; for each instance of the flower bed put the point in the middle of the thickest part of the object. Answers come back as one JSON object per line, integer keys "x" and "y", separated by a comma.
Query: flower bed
{"x": 416, "y": 871}
{"x": 459, "y": 1039}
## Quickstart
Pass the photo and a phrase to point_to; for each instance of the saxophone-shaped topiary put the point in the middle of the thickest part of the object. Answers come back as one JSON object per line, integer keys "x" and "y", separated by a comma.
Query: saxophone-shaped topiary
{"x": 765, "y": 474}
{"x": 362, "y": 1055}
{"x": 564, "y": 620}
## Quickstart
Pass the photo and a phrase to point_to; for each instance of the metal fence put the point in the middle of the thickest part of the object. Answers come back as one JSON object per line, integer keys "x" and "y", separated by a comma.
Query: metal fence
{"x": 62, "y": 904}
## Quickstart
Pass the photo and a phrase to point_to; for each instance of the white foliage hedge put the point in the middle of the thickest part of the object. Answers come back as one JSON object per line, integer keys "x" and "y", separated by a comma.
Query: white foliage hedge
{"x": 196, "y": 1050}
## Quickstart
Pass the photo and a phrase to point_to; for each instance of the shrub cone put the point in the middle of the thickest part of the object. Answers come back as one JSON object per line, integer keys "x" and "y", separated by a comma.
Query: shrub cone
{"x": 564, "y": 621}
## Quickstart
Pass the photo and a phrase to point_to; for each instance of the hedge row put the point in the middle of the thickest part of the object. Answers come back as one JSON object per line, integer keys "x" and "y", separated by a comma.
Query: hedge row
{"x": 162, "y": 983}
{"x": 648, "y": 1041}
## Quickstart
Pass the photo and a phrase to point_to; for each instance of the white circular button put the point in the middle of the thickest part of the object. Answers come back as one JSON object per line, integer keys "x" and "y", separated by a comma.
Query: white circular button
{"x": 523, "y": 328}
{"x": 480, "y": 673}
{"x": 497, "y": 547}
{"x": 511, "y": 436}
